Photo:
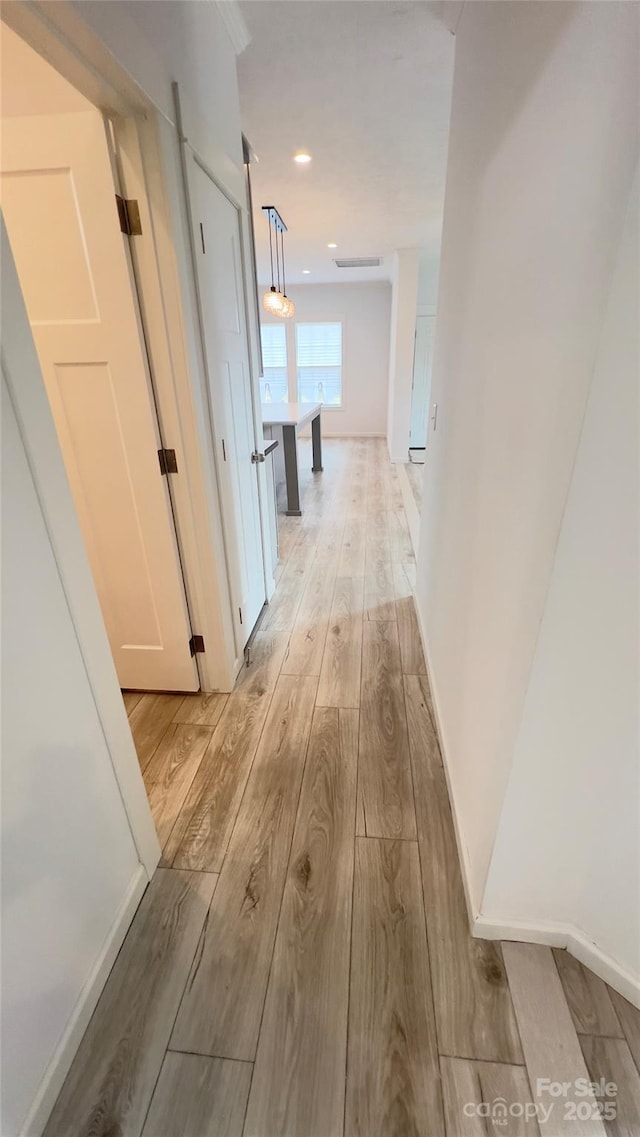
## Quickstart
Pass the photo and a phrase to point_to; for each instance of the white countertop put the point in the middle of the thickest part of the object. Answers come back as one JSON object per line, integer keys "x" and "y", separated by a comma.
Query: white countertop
{"x": 289, "y": 414}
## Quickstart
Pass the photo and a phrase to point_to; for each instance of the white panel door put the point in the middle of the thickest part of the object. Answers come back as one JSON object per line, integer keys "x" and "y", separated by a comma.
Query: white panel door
{"x": 219, "y": 266}
{"x": 57, "y": 195}
{"x": 422, "y": 363}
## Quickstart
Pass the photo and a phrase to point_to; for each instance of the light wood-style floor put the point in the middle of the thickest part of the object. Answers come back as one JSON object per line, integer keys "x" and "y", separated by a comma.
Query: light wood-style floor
{"x": 301, "y": 965}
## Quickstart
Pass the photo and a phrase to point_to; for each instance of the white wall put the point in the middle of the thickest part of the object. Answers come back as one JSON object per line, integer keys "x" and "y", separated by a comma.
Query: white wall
{"x": 162, "y": 42}
{"x": 71, "y": 872}
{"x": 365, "y": 311}
{"x": 541, "y": 157}
{"x": 404, "y": 306}
{"x": 68, "y": 858}
{"x": 568, "y": 844}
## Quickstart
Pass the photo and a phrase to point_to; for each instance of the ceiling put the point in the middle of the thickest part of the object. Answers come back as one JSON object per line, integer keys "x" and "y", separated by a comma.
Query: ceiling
{"x": 365, "y": 87}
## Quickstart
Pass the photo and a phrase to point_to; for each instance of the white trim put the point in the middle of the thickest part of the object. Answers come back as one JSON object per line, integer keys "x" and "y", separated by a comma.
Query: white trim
{"x": 410, "y": 507}
{"x": 65, "y": 1051}
{"x": 215, "y": 162}
{"x": 249, "y": 273}
{"x": 56, "y": 32}
{"x": 559, "y": 935}
{"x": 190, "y": 157}
{"x": 139, "y": 145}
{"x": 550, "y": 933}
{"x": 235, "y": 24}
{"x": 463, "y": 856}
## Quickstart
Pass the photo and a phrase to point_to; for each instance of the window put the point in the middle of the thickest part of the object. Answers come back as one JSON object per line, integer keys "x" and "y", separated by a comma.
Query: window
{"x": 319, "y": 363}
{"x": 274, "y": 386}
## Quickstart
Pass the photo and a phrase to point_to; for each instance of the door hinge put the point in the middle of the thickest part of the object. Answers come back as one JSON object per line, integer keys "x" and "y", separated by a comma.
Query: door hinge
{"x": 129, "y": 216}
{"x": 240, "y": 612}
{"x": 168, "y": 461}
{"x": 224, "y": 450}
{"x": 196, "y": 645}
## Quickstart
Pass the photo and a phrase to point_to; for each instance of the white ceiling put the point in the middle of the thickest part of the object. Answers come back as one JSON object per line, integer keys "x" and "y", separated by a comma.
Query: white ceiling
{"x": 365, "y": 88}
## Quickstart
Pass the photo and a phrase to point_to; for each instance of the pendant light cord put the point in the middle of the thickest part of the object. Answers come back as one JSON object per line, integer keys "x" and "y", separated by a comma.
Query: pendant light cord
{"x": 284, "y": 286}
{"x": 271, "y": 248}
{"x": 277, "y": 258}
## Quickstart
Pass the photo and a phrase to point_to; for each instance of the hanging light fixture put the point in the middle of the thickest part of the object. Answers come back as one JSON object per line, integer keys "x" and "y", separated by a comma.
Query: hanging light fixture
{"x": 288, "y": 307}
{"x": 273, "y": 298}
{"x": 275, "y": 301}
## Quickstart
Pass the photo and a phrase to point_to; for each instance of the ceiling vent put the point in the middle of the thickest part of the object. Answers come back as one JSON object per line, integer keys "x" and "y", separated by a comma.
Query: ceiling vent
{"x": 359, "y": 262}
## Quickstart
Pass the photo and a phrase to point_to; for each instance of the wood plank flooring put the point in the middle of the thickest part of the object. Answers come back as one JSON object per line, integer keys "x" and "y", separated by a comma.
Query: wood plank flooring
{"x": 298, "y": 1082}
{"x": 199, "y": 1097}
{"x": 113, "y": 1076}
{"x": 393, "y": 1083}
{"x": 302, "y": 964}
{"x": 467, "y": 1086}
{"x": 222, "y": 1006}
{"x": 554, "y": 1053}
{"x": 385, "y": 790}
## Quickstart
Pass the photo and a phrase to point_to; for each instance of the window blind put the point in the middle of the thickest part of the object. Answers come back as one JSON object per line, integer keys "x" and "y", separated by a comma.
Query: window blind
{"x": 274, "y": 345}
{"x": 274, "y": 386}
{"x": 319, "y": 345}
{"x": 319, "y": 363}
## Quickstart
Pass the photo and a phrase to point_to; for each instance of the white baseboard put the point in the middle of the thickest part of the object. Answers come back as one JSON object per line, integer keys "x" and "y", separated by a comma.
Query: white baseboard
{"x": 410, "y": 508}
{"x": 65, "y": 1051}
{"x": 549, "y": 933}
{"x": 463, "y": 856}
{"x": 567, "y": 936}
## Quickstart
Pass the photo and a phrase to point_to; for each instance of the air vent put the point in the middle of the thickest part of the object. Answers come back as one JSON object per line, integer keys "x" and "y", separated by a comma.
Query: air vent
{"x": 359, "y": 262}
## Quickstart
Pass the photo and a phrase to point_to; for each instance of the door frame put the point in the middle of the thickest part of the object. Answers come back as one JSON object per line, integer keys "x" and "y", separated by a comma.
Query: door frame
{"x": 189, "y": 153}
{"x": 139, "y": 167}
{"x": 149, "y": 166}
{"x": 421, "y": 316}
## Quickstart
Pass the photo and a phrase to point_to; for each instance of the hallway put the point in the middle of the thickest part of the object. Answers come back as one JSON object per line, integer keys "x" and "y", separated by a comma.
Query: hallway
{"x": 301, "y": 964}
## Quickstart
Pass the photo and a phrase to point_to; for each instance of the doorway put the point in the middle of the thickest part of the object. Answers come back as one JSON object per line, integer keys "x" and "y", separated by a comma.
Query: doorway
{"x": 58, "y": 198}
{"x": 421, "y": 387}
{"x": 218, "y": 262}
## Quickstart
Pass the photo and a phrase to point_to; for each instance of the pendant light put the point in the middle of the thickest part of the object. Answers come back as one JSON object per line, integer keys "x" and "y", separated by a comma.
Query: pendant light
{"x": 275, "y": 301}
{"x": 288, "y": 307}
{"x": 272, "y": 299}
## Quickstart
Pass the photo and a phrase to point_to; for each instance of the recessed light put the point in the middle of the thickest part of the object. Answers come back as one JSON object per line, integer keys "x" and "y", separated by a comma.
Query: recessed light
{"x": 302, "y": 159}
{"x": 306, "y": 271}
{"x": 332, "y": 245}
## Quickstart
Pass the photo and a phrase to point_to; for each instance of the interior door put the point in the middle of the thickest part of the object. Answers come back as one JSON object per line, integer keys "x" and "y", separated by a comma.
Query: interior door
{"x": 422, "y": 363}
{"x": 217, "y": 244}
{"x": 57, "y": 194}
